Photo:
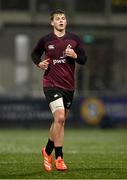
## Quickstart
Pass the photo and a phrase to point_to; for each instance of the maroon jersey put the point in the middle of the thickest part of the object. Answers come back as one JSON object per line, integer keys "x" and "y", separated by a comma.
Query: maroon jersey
{"x": 60, "y": 72}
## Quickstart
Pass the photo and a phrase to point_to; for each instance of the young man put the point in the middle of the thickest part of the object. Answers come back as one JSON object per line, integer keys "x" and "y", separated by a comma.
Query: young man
{"x": 62, "y": 51}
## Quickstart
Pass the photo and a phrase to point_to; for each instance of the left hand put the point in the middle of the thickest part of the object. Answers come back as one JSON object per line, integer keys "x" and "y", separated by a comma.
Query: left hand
{"x": 71, "y": 53}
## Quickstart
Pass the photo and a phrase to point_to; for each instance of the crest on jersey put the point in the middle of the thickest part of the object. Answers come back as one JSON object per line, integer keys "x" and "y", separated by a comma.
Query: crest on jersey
{"x": 51, "y": 46}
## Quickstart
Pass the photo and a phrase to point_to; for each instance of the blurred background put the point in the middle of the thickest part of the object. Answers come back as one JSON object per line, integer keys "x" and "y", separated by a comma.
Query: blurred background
{"x": 101, "y": 85}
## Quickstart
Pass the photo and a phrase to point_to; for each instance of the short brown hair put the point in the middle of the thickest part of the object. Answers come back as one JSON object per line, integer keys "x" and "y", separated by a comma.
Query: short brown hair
{"x": 58, "y": 11}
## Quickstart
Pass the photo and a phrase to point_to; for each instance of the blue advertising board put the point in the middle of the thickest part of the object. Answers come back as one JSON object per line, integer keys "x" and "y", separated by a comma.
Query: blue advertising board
{"x": 85, "y": 111}
{"x": 99, "y": 111}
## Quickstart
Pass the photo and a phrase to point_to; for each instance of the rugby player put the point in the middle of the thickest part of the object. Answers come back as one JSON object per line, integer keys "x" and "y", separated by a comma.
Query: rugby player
{"x": 63, "y": 50}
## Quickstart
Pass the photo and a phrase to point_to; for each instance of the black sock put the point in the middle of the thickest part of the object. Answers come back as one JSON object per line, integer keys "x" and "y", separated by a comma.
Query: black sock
{"x": 58, "y": 152}
{"x": 49, "y": 147}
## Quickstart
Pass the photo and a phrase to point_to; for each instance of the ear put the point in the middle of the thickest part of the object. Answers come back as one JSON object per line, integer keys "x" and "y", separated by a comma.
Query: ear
{"x": 52, "y": 24}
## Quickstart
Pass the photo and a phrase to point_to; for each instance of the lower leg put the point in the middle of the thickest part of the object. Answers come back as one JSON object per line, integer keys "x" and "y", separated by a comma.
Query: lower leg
{"x": 58, "y": 132}
{"x": 50, "y": 143}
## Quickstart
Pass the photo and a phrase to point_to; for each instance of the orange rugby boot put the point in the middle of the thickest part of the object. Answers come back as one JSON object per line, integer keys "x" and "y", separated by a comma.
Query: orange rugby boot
{"x": 60, "y": 165}
{"x": 47, "y": 160}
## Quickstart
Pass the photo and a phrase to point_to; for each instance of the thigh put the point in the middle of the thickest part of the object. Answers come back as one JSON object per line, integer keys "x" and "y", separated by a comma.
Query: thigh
{"x": 54, "y": 98}
{"x": 58, "y": 98}
{"x": 57, "y": 105}
{"x": 52, "y": 94}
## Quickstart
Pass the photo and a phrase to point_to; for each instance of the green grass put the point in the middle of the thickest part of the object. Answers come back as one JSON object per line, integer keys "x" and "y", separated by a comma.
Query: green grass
{"x": 89, "y": 154}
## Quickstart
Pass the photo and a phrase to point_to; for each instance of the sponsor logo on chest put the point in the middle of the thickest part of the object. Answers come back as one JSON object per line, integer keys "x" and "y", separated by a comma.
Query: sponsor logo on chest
{"x": 62, "y": 58}
{"x": 59, "y": 61}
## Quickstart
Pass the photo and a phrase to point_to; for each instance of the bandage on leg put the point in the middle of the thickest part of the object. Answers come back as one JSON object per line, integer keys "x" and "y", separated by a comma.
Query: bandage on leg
{"x": 57, "y": 104}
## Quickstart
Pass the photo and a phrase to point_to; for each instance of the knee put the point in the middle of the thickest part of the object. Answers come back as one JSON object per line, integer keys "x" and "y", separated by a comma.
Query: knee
{"x": 60, "y": 120}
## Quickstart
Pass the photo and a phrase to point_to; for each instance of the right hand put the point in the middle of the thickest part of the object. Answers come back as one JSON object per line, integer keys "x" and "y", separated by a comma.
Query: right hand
{"x": 44, "y": 64}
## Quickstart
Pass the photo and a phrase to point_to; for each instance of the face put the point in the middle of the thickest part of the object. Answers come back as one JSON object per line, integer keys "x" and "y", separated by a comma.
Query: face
{"x": 59, "y": 22}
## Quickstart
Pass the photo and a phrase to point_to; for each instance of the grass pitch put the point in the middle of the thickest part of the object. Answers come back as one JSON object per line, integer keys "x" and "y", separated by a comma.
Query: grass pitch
{"x": 89, "y": 154}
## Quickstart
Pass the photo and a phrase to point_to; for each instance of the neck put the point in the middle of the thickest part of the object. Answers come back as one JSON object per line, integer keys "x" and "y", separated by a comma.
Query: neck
{"x": 59, "y": 33}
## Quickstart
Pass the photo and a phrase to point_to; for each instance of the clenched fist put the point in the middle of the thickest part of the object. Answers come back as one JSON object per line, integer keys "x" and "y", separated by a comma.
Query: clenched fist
{"x": 44, "y": 64}
{"x": 71, "y": 53}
